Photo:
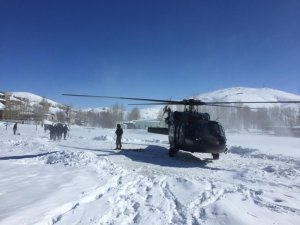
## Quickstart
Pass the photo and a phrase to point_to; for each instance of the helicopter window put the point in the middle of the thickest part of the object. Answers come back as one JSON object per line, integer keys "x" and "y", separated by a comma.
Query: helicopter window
{"x": 222, "y": 131}
{"x": 217, "y": 129}
{"x": 198, "y": 130}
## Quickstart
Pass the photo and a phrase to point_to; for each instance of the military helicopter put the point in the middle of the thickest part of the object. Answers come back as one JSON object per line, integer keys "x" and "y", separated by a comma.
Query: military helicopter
{"x": 189, "y": 130}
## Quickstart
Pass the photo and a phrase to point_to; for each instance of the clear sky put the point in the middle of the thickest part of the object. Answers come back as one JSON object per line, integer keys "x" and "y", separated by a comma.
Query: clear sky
{"x": 145, "y": 48}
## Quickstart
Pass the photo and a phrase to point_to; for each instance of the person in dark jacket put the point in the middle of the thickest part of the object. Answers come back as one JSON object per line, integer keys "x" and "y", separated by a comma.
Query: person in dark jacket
{"x": 15, "y": 128}
{"x": 119, "y": 133}
{"x": 52, "y": 132}
{"x": 66, "y": 129}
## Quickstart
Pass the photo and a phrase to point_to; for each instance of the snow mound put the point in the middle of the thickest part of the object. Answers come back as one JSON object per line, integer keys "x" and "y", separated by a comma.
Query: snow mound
{"x": 20, "y": 143}
{"x": 145, "y": 141}
{"x": 103, "y": 138}
{"x": 70, "y": 158}
{"x": 241, "y": 151}
{"x": 78, "y": 159}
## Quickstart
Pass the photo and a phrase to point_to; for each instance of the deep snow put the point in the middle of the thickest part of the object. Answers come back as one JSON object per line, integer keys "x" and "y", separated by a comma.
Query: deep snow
{"x": 82, "y": 180}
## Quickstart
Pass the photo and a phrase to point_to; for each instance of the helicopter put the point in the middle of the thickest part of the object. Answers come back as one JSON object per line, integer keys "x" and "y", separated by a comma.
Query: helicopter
{"x": 190, "y": 130}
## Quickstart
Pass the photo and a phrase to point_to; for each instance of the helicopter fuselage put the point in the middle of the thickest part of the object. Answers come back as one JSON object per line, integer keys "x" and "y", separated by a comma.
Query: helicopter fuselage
{"x": 193, "y": 132}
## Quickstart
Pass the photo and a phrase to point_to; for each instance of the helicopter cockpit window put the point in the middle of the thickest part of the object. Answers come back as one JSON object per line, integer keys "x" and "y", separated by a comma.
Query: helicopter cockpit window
{"x": 198, "y": 130}
{"x": 217, "y": 129}
{"x": 222, "y": 131}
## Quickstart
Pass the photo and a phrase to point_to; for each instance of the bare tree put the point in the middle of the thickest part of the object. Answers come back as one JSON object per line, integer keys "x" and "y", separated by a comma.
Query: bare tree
{"x": 134, "y": 114}
{"x": 80, "y": 117}
{"x": 45, "y": 105}
{"x": 7, "y": 109}
{"x": 38, "y": 112}
{"x": 106, "y": 119}
{"x": 117, "y": 112}
{"x": 298, "y": 118}
{"x": 61, "y": 116}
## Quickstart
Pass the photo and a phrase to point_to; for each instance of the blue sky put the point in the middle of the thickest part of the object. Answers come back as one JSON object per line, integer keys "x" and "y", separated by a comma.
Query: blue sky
{"x": 148, "y": 49}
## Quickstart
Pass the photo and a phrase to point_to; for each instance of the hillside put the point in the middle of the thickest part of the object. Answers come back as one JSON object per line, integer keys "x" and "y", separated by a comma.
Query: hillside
{"x": 239, "y": 94}
{"x": 228, "y": 94}
{"x": 30, "y": 99}
{"x": 251, "y": 94}
{"x": 33, "y": 98}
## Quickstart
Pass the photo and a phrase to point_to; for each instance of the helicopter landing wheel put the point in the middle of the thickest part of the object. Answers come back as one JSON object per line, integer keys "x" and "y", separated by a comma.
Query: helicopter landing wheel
{"x": 215, "y": 156}
{"x": 172, "y": 152}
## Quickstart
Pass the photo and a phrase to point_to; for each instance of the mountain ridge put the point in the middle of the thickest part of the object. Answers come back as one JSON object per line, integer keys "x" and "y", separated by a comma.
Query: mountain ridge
{"x": 225, "y": 94}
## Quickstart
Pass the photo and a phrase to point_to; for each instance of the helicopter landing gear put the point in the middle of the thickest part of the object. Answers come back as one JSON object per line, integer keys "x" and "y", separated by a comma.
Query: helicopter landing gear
{"x": 215, "y": 156}
{"x": 172, "y": 152}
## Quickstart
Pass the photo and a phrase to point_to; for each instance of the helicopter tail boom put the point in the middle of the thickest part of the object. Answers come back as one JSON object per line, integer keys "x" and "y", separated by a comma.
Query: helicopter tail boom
{"x": 158, "y": 130}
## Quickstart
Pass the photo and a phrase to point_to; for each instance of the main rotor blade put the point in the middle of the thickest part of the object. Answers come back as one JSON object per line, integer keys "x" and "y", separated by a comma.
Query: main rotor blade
{"x": 158, "y": 103}
{"x": 182, "y": 102}
{"x": 125, "y": 98}
{"x": 250, "y": 102}
{"x": 232, "y": 106}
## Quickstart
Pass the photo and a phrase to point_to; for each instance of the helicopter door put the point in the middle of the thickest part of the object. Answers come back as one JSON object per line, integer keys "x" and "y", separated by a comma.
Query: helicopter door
{"x": 181, "y": 134}
{"x": 171, "y": 135}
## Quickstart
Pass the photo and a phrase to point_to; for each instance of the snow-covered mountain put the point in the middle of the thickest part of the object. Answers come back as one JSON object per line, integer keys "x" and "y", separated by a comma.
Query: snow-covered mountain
{"x": 242, "y": 94}
{"x": 34, "y": 99}
{"x": 238, "y": 94}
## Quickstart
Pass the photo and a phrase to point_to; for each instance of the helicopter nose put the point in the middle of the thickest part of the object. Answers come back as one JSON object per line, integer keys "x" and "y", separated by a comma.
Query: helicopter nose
{"x": 216, "y": 142}
{"x": 221, "y": 140}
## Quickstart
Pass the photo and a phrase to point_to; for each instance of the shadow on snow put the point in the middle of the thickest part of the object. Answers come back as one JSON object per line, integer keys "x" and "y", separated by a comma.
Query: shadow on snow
{"x": 26, "y": 156}
{"x": 155, "y": 155}
{"x": 158, "y": 155}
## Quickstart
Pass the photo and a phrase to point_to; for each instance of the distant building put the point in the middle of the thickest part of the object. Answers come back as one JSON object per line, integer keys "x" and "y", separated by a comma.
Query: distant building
{"x": 142, "y": 124}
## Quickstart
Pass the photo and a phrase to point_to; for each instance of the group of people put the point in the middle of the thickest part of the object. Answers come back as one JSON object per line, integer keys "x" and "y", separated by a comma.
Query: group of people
{"x": 57, "y": 130}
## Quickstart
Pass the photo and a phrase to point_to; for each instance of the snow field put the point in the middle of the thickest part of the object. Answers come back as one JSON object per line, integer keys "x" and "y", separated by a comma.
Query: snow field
{"x": 82, "y": 180}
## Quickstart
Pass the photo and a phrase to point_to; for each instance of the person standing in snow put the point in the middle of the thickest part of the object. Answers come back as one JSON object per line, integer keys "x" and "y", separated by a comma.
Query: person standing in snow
{"x": 15, "y": 128}
{"x": 52, "y": 132}
{"x": 119, "y": 133}
{"x": 65, "y": 129}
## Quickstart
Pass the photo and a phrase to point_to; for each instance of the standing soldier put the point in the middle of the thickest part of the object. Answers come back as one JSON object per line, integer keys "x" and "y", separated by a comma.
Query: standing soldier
{"x": 119, "y": 133}
{"x": 51, "y": 131}
{"x": 65, "y": 131}
{"x": 15, "y": 128}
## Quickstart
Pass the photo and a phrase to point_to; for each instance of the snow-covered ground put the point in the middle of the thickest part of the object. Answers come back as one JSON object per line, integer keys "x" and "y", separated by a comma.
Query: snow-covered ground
{"x": 82, "y": 180}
